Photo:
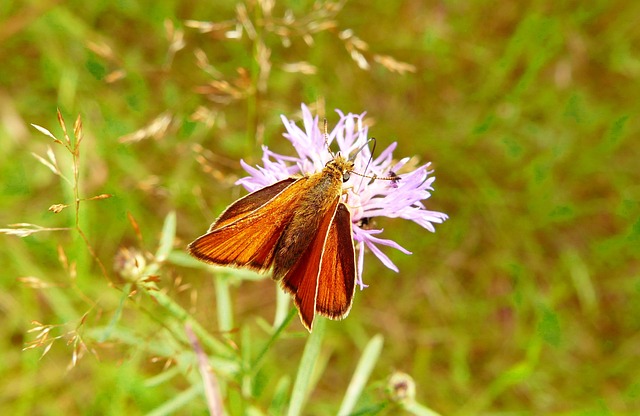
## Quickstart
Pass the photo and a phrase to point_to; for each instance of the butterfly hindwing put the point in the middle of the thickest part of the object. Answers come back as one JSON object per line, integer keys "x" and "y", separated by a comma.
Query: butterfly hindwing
{"x": 302, "y": 279}
{"x": 336, "y": 282}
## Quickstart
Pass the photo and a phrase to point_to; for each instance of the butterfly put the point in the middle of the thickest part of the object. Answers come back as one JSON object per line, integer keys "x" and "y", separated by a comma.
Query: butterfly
{"x": 301, "y": 228}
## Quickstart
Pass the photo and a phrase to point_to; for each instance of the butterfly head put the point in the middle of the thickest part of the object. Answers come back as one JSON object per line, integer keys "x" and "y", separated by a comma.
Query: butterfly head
{"x": 341, "y": 166}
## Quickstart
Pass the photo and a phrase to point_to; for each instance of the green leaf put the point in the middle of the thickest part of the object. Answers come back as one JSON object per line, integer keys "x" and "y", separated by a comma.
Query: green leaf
{"x": 549, "y": 327}
{"x": 167, "y": 237}
{"x": 305, "y": 369}
{"x": 361, "y": 375}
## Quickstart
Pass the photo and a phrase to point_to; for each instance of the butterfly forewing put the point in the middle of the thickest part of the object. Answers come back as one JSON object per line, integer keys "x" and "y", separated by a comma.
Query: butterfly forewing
{"x": 247, "y": 237}
{"x": 336, "y": 282}
{"x": 251, "y": 202}
{"x": 302, "y": 279}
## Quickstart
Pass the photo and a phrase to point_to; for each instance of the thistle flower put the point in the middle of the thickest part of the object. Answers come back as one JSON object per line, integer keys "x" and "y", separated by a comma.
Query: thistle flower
{"x": 367, "y": 198}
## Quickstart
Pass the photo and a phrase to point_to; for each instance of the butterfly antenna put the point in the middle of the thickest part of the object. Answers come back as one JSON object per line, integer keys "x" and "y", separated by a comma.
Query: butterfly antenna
{"x": 392, "y": 175}
{"x": 326, "y": 138}
{"x": 353, "y": 158}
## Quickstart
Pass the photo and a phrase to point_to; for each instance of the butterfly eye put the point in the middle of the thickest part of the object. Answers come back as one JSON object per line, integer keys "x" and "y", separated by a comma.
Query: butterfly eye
{"x": 345, "y": 176}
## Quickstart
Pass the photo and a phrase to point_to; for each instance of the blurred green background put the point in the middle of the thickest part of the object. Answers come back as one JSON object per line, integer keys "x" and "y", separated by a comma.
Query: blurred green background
{"x": 526, "y": 301}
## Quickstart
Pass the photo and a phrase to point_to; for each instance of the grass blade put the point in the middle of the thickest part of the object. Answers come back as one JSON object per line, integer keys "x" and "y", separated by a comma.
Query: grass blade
{"x": 305, "y": 369}
{"x": 365, "y": 366}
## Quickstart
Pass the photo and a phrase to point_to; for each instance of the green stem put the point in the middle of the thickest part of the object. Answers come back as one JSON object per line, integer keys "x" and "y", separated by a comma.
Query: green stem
{"x": 183, "y": 317}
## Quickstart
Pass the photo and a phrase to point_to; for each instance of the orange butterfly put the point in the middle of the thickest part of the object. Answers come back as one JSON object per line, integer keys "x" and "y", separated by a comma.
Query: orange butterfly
{"x": 301, "y": 228}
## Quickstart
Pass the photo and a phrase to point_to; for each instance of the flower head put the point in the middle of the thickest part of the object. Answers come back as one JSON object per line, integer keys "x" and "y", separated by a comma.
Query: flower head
{"x": 400, "y": 196}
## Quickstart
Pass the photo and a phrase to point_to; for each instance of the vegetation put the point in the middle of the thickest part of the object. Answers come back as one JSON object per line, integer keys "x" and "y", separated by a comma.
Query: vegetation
{"x": 524, "y": 302}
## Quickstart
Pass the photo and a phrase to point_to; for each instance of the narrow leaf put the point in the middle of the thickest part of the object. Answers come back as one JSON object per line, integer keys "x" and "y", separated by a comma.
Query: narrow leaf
{"x": 167, "y": 237}
{"x": 223, "y": 302}
{"x": 363, "y": 371}
{"x": 305, "y": 370}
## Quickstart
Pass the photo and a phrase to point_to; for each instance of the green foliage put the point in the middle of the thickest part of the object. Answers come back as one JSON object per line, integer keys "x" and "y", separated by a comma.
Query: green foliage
{"x": 524, "y": 302}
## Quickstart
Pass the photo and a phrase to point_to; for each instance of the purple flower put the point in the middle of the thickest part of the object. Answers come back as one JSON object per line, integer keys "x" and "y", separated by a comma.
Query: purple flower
{"x": 366, "y": 198}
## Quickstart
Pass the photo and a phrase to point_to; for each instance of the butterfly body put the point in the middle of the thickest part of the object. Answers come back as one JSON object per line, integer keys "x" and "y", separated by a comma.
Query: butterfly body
{"x": 299, "y": 227}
